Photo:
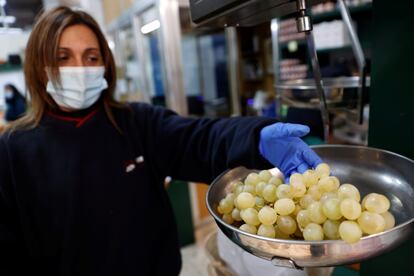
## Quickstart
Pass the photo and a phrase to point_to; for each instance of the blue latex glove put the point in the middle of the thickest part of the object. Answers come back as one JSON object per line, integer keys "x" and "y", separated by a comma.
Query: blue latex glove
{"x": 280, "y": 145}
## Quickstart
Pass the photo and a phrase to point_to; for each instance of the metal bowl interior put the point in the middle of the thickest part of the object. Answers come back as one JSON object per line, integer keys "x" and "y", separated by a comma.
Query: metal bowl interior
{"x": 371, "y": 170}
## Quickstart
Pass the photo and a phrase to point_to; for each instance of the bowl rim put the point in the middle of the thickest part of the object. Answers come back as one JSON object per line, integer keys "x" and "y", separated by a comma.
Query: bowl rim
{"x": 303, "y": 242}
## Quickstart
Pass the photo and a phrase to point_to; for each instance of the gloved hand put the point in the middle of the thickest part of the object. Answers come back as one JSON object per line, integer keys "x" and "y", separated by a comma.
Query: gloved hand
{"x": 280, "y": 145}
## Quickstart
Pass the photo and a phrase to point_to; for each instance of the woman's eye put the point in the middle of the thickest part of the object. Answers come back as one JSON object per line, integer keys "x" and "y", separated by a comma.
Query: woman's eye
{"x": 93, "y": 59}
{"x": 62, "y": 58}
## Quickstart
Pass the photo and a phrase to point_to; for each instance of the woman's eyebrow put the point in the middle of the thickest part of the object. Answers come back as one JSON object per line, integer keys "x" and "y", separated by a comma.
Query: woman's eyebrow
{"x": 92, "y": 49}
{"x": 87, "y": 49}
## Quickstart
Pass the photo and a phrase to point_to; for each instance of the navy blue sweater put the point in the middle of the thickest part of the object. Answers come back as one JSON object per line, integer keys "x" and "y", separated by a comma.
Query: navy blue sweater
{"x": 79, "y": 198}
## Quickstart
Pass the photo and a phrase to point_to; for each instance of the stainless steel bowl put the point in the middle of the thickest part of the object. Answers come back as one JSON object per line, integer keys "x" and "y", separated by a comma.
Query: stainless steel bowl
{"x": 371, "y": 170}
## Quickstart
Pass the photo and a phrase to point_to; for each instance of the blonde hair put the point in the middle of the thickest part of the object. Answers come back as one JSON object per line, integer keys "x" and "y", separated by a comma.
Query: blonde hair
{"x": 42, "y": 52}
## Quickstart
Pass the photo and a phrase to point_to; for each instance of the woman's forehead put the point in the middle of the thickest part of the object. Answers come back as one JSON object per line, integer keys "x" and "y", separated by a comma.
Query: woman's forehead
{"x": 78, "y": 36}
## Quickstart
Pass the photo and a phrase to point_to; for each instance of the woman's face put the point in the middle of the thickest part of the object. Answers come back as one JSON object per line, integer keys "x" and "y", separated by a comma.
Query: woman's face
{"x": 79, "y": 46}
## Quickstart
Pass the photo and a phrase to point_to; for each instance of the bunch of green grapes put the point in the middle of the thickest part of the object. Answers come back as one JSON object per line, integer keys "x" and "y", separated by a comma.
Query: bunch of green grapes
{"x": 312, "y": 206}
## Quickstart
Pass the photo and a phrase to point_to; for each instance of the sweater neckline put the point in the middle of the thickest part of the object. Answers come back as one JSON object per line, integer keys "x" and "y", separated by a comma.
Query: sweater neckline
{"x": 79, "y": 117}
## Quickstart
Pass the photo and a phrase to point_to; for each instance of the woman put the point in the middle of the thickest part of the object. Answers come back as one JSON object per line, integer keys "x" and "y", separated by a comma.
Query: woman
{"x": 15, "y": 103}
{"x": 81, "y": 176}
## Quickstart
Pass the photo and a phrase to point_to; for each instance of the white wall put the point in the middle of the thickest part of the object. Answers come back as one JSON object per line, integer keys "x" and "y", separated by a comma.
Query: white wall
{"x": 93, "y": 7}
{"x": 13, "y": 44}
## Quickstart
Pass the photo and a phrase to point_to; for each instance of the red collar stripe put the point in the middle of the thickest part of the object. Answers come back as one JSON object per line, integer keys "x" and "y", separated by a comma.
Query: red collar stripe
{"x": 79, "y": 121}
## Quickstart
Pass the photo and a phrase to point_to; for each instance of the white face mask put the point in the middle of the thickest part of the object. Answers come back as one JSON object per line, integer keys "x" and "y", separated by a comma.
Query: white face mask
{"x": 81, "y": 86}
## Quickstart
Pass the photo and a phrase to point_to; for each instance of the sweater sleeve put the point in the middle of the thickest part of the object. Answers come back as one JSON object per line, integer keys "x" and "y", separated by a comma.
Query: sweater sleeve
{"x": 11, "y": 255}
{"x": 200, "y": 149}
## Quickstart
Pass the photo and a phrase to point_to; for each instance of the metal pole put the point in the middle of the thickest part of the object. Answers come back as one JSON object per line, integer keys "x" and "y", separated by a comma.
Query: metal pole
{"x": 274, "y": 28}
{"x": 304, "y": 24}
{"x": 172, "y": 55}
{"x": 359, "y": 55}
{"x": 233, "y": 70}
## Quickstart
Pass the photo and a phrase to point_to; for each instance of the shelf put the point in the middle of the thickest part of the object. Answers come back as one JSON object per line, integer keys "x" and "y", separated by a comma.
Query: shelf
{"x": 334, "y": 49}
{"x": 328, "y": 83}
{"x": 335, "y": 14}
{"x": 322, "y": 51}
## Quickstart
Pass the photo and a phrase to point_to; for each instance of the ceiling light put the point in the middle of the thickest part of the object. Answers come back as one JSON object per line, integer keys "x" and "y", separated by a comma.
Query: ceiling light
{"x": 150, "y": 27}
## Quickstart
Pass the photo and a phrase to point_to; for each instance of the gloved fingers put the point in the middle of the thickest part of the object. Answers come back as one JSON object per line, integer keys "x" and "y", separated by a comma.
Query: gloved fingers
{"x": 287, "y": 177}
{"x": 296, "y": 130}
{"x": 311, "y": 158}
{"x": 303, "y": 167}
{"x": 282, "y": 130}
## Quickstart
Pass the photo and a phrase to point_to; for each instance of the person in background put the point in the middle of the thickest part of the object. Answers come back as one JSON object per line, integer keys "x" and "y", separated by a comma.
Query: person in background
{"x": 15, "y": 103}
{"x": 82, "y": 176}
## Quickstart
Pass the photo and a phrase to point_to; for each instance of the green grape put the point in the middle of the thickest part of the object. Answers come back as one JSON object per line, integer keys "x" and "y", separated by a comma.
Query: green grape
{"x": 306, "y": 200}
{"x": 226, "y": 206}
{"x": 389, "y": 220}
{"x": 260, "y": 202}
{"x": 250, "y": 216}
{"x": 235, "y": 214}
{"x": 283, "y": 191}
{"x": 252, "y": 179}
{"x": 259, "y": 188}
{"x": 249, "y": 189}
{"x": 350, "y": 208}
{"x": 284, "y": 206}
{"x": 328, "y": 184}
{"x": 315, "y": 213}
{"x": 227, "y": 218}
{"x": 280, "y": 235}
{"x": 248, "y": 228}
{"x": 275, "y": 181}
{"x": 331, "y": 229}
{"x": 297, "y": 210}
{"x": 314, "y": 192}
{"x": 326, "y": 196}
{"x": 269, "y": 193}
{"x": 230, "y": 197}
{"x": 266, "y": 231}
{"x": 239, "y": 190}
{"x": 286, "y": 224}
{"x": 348, "y": 191}
{"x": 265, "y": 175}
{"x": 323, "y": 170}
{"x": 310, "y": 178}
{"x": 297, "y": 189}
{"x": 350, "y": 231}
{"x": 233, "y": 185}
{"x": 331, "y": 209}
{"x": 313, "y": 232}
{"x": 296, "y": 178}
{"x": 303, "y": 218}
{"x": 336, "y": 182}
{"x": 376, "y": 203}
{"x": 371, "y": 223}
{"x": 267, "y": 215}
{"x": 245, "y": 200}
